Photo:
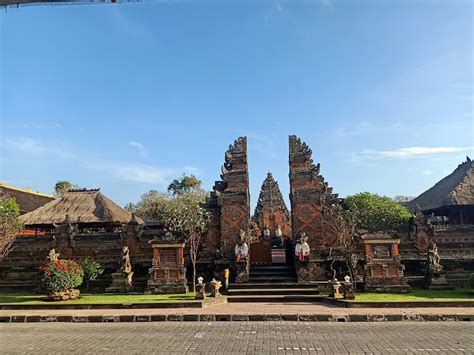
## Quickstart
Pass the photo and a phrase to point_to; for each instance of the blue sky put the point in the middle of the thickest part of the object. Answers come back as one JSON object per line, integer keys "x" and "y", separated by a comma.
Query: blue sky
{"x": 126, "y": 97}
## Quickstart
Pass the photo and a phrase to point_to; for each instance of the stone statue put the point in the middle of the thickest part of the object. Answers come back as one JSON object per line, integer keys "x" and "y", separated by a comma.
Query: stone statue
{"x": 433, "y": 257}
{"x": 215, "y": 286}
{"x": 278, "y": 241}
{"x": 52, "y": 256}
{"x": 278, "y": 232}
{"x": 266, "y": 232}
{"x": 302, "y": 249}
{"x": 241, "y": 248}
{"x": 126, "y": 265}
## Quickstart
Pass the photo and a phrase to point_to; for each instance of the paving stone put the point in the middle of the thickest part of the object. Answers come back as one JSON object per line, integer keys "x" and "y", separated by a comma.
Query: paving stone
{"x": 272, "y": 317}
{"x": 206, "y": 317}
{"x": 142, "y": 318}
{"x": 240, "y": 317}
{"x": 464, "y": 317}
{"x": 340, "y": 318}
{"x": 289, "y": 317}
{"x": 95, "y": 319}
{"x": 358, "y": 317}
{"x": 126, "y": 318}
{"x": 190, "y": 317}
{"x": 174, "y": 317}
{"x": 376, "y": 318}
{"x": 64, "y": 318}
{"x": 223, "y": 317}
{"x": 158, "y": 317}
{"x": 31, "y": 319}
{"x": 4, "y": 319}
{"x": 256, "y": 317}
{"x": 393, "y": 317}
{"x": 80, "y": 319}
{"x": 271, "y": 337}
{"x": 108, "y": 319}
{"x": 48, "y": 319}
{"x": 412, "y": 317}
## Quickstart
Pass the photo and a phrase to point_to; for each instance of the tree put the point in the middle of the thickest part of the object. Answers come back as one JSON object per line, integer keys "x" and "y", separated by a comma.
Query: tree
{"x": 402, "y": 198}
{"x": 151, "y": 206}
{"x": 63, "y": 186}
{"x": 9, "y": 225}
{"x": 92, "y": 270}
{"x": 186, "y": 215}
{"x": 378, "y": 213}
{"x": 184, "y": 184}
{"x": 341, "y": 223}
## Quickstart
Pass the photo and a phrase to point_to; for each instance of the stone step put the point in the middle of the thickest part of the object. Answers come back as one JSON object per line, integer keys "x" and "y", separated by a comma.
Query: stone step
{"x": 271, "y": 291}
{"x": 271, "y": 285}
{"x": 271, "y": 274}
{"x": 276, "y": 298}
{"x": 257, "y": 279}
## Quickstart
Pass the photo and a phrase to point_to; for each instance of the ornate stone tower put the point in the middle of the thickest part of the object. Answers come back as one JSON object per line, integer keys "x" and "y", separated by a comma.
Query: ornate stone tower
{"x": 309, "y": 193}
{"x": 271, "y": 209}
{"x": 229, "y": 202}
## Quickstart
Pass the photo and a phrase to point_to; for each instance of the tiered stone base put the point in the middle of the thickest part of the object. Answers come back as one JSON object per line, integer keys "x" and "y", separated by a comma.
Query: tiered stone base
{"x": 166, "y": 287}
{"x": 437, "y": 281}
{"x": 120, "y": 283}
{"x": 63, "y": 295}
{"x": 390, "y": 285}
{"x": 241, "y": 272}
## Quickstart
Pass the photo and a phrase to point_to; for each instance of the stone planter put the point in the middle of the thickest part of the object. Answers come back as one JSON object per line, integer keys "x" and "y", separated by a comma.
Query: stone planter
{"x": 63, "y": 295}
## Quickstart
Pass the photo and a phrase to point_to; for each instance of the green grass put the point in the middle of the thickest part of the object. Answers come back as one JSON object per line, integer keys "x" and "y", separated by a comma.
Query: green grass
{"x": 419, "y": 295}
{"x": 29, "y": 298}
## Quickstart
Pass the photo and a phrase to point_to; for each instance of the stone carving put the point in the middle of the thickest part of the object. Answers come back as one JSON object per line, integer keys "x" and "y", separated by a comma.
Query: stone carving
{"x": 435, "y": 277}
{"x": 302, "y": 248}
{"x": 349, "y": 293}
{"x": 434, "y": 258}
{"x": 122, "y": 279}
{"x": 52, "y": 256}
{"x": 200, "y": 289}
{"x": 335, "y": 285}
{"x": 215, "y": 286}
{"x": 241, "y": 249}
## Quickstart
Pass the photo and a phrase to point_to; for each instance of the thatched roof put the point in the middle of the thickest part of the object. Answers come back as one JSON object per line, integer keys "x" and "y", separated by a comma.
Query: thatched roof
{"x": 455, "y": 189}
{"x": 81, "y": 206}
{"x": 27, "y": 199}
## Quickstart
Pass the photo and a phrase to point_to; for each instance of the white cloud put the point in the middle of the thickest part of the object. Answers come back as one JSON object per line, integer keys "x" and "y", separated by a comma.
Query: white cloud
{"x": 426, "y": 172}
{"x": 140, "y": 148}
{"x": 147, "y": 174}
{"x": 33, "y": 147}
{"x": 410, "y": 152}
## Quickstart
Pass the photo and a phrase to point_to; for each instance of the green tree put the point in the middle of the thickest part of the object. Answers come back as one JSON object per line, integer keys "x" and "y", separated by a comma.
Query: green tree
{"x": 402, "y": 198}
{"x": 185, "y": 214}
{"x": 9, "y": 225}
{"x": 184, "y": 184}
{"x": 151, "y": 206}
{"x": 378, "y": 213}
{"x": 92, "y": 270}
{"x": 63, "y": 186}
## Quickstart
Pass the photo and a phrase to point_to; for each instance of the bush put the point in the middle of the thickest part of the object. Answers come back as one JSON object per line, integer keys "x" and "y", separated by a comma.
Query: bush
{"x": 61, "y": 275}
{"x": 378, "y": 213}
{"x": 92, "y": 270}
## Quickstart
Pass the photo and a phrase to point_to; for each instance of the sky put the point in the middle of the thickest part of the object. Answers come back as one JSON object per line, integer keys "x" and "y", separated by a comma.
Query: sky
{"x": 129, "y": 96}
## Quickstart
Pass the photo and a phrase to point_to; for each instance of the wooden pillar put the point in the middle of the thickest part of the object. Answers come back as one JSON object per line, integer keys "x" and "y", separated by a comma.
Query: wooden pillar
{"x": 395, "y": 249}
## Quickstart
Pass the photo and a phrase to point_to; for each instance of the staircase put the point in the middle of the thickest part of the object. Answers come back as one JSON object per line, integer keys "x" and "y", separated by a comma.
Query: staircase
{"x": 272, "y": 283}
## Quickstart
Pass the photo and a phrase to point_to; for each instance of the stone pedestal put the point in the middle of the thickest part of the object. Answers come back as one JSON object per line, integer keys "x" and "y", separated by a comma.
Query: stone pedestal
{"x": 167, "y": 274}
{"x": 200, "y": 291}
{"x": 349, "y": 293}
{"x": 334, "y": 286}
{"x": 436, "y": 280}
{"x": 383, "y": 270}
{"x": 242, "y": 271}
{"x": 121, "y": 283}
{"x": 215, "y": 287}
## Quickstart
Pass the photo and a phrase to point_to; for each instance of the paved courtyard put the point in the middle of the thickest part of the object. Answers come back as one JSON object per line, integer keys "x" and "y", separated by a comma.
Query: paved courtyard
{"x": 238, "y": 337}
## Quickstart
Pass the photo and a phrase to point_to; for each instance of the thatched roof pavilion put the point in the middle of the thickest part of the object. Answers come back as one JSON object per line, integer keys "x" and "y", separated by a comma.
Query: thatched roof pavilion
{"x": 452, "y": 196}
{"x": 84, "y": 207}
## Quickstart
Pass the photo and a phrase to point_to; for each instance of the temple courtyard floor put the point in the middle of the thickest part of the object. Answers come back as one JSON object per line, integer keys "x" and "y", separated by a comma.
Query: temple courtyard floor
{"x": 238, "y": 338}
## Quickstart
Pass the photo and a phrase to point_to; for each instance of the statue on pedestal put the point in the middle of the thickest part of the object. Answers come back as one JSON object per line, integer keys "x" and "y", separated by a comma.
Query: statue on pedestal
{"x": 435, "y": 277}
{"x": 302, "y": 249}
{"x": 433, "y": 257}
{"x": 200, "y": 289}
{"x": 215, "y": 286}
{"x": 122, "y": 278}
{"x": 241, "y": 249}
{"x": 349, "y": 293}
{"x": 52, "y": 256}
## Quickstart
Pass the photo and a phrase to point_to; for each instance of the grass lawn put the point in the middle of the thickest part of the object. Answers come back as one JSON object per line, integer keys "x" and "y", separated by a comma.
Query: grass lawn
{"x": 29, "y": 298}
{"x": 419, "y": 295}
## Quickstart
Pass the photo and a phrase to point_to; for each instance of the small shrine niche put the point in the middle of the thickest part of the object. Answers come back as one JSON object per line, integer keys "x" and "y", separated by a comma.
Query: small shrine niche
{"x": 384, "y": 271}
{"x": 167, "y": 273}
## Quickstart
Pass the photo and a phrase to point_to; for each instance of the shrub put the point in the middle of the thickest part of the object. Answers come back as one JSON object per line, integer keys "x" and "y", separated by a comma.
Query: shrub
{"x": 92, "y": 270}
{"x": 378, "y": 213}
{"x": 61, "y": 275}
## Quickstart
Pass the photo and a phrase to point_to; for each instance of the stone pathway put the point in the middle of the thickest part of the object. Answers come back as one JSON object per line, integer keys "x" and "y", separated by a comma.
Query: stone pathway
{"x": 238, "y": 338}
